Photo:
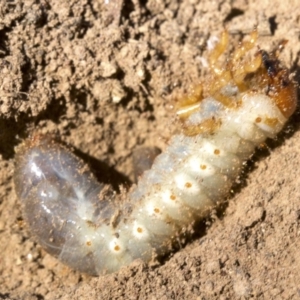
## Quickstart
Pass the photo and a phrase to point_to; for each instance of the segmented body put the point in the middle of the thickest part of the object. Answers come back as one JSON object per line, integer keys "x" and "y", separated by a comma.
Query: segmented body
{"x": 87, "y": 227}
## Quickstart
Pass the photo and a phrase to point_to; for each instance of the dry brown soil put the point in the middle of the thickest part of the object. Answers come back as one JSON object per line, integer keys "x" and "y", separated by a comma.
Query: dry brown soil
{"x": 102, "y": 77}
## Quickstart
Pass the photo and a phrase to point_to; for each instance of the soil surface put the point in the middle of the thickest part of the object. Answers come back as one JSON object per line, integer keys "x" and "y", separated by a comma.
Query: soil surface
{"x": 102, "y": 76}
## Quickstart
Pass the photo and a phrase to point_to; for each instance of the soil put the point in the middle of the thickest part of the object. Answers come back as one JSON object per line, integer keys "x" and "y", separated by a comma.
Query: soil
{"x": 102, "y": 76}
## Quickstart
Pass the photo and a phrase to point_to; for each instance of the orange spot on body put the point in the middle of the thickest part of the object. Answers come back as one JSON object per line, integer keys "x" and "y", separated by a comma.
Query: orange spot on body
{"x": 258, "y": 120}
{"x": 217, "y": 152}
{"x": 173, "y": 197}
{"x": 188, "y": 185}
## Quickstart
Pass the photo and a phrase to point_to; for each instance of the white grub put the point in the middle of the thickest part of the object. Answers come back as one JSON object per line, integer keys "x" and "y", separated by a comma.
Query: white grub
{"x": 227, "y": 117}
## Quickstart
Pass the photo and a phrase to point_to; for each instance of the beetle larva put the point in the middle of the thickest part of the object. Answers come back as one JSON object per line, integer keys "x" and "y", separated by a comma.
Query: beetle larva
{"x": 89, "y": 228}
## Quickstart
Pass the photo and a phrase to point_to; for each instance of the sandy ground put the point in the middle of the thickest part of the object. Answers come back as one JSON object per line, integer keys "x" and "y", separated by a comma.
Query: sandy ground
{"x": 103, "y": 78}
